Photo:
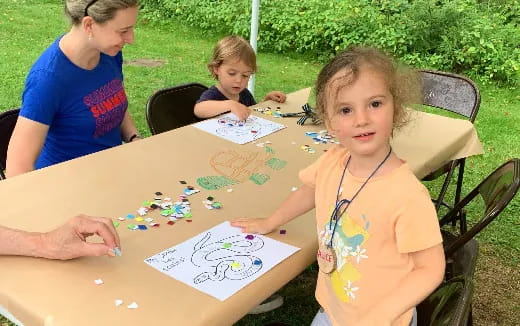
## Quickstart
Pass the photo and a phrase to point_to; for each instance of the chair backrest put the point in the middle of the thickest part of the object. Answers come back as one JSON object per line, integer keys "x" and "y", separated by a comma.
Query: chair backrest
{"x": 172, "y": 107}
{"x": 450, "y": 92}
{"x": 7, "y": 122}
{"x": 497, "y": 190}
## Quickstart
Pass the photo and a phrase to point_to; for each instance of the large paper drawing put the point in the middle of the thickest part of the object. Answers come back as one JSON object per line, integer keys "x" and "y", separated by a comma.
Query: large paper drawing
{"x": 227, "y": 126}
{"x": 221, "y": 260}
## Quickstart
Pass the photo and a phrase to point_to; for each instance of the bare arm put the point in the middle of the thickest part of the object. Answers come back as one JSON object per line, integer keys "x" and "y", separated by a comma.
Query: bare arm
{"x": 209, "y": 109}
{"x": 65, "y": 242}
{"x": 25, "y": 145}
{"x": 427, "y": 274}
{"x": 299, "y": 202}
{"x": 128, "y": 128}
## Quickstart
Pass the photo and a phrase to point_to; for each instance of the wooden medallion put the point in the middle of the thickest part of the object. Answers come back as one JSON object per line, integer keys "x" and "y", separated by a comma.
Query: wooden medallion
{"x": 326, "y": 259}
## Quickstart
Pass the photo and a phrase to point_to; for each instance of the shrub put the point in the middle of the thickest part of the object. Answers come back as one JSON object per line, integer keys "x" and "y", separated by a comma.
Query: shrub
{"x": 477, "y": 37}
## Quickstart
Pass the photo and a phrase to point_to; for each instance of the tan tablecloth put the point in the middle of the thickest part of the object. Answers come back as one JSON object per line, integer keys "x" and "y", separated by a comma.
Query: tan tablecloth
{"x": 115, "y": 182}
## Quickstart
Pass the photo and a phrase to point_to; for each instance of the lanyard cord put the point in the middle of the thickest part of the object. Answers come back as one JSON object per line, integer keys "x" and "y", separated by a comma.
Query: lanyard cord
{"x": 339, "y": 203}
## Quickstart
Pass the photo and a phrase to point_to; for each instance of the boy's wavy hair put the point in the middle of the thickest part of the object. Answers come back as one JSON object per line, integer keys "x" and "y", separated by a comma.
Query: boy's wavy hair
{"x": 403, "y": 82}
{"x": 231, "y": 47}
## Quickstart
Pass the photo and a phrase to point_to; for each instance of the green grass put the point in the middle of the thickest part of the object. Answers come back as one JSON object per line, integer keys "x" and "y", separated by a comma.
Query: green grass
{"x": 28, "y": 27}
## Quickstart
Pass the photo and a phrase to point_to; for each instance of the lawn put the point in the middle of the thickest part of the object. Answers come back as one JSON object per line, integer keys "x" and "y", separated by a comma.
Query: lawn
{"x": 28, "y": 27}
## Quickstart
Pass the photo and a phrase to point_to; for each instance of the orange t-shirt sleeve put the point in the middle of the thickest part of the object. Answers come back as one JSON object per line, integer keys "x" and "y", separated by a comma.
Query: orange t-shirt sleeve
{"x": 417, "y": 226}
{"x": 309, "y": 174}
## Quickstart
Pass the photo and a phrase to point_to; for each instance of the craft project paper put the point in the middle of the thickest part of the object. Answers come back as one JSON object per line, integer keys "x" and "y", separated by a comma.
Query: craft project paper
{"x": 228, "y": 126}
{"x": 221, "y": 260}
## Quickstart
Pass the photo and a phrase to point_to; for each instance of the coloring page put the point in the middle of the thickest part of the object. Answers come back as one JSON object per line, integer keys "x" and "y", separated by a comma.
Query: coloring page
{"x": 221, "y": 260}
{"x": 227, "y": 126}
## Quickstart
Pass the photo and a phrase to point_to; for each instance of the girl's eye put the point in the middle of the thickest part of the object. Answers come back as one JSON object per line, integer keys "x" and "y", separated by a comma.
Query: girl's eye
{"x": 232, "y": 73}
{"x": 376, "y": 104}
{"x": 245, "y": 76}
{"x": 345, "y": 110}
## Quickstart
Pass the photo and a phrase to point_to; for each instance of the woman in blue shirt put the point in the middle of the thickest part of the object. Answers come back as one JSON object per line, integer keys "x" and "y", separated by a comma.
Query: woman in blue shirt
{"x": 74, "y": 102}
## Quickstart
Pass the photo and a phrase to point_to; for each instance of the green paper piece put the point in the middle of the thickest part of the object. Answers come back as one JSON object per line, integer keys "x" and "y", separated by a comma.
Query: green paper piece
{"x": 115, "y": 223}
{"x": 259, "y": 178}
{"x": 188, "y": 215}
{"x": 275, "y": 163}
{"x": 131, "y": 226}
{"x": 215, "y": 182}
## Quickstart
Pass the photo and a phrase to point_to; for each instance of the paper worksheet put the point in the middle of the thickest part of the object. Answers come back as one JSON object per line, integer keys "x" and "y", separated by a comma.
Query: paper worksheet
{"x": 228, "y": 126}
{"x": 221, "y": 260}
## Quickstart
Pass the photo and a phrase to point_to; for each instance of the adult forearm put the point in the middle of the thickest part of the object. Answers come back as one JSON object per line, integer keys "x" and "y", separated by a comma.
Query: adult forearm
{"x": 128, "y": 128}
{"x": 20, "y": 243}
{"x": 13, "y": 168}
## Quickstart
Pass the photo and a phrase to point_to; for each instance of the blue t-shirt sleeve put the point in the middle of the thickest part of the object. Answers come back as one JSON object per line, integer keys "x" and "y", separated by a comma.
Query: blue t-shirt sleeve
{"x": 211, "y": 94}
{"x": 40, "y": 99}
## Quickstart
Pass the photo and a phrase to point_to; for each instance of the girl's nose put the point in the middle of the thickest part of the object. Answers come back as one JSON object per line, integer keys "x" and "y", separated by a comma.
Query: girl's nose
{"x": 361, "y": 117}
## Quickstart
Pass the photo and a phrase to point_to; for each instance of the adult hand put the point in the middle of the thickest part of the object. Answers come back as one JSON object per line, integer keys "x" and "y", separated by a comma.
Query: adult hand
{"x": 69, "y": 240}
{"x": 276, "y": 96}
{"x": 239, "y": 109}
{"x": 253, "y": 225}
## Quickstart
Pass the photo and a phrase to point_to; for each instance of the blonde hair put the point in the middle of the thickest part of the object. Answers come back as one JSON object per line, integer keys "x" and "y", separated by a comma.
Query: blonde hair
{"x": 101, "y": 10}
{"x": 403, "y": 83}
{"x": 231, "y": 47}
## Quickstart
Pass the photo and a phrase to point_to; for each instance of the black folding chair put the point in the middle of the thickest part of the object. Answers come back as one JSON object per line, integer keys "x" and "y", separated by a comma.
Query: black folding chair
{"x": 7, "y": 122}
{"x": 459, "y": 95}
{"x": 496, "y": 190}
{"x": 450, "y": 304}
{"x": 172, "y": 107}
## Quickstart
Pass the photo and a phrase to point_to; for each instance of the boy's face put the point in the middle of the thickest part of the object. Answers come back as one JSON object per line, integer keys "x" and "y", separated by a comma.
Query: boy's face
{"x": 361, "y": 113}
{"x": 233, "y": 76}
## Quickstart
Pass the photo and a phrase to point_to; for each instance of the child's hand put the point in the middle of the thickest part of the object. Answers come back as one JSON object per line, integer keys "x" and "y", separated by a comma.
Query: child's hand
{"x": 239, "y": 109}
{"x": 253, "y": 225}
{"x": 276, "y": 96}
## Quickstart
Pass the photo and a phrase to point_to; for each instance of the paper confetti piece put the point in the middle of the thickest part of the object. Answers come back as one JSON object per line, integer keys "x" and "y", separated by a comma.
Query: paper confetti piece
{"x": 294, "y": 188}
{"x": 282, "y": 231}
{"x": 133, "y": 305}
{"x": 118, "y": 302}
{"x": 98, "y": 281}
{"x": 117, "y": 251}
{"x": 115, "y": 223}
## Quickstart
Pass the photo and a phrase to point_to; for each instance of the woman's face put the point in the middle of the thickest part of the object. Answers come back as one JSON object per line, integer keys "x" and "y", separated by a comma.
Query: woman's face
{"x": 110, "y": 37}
